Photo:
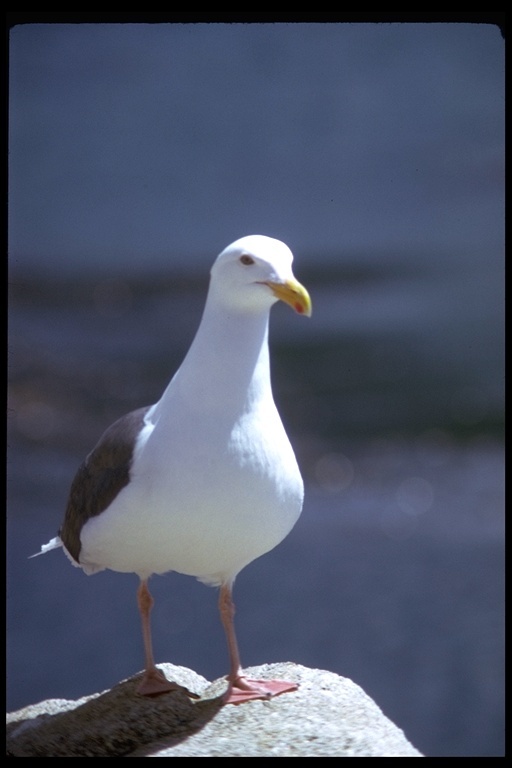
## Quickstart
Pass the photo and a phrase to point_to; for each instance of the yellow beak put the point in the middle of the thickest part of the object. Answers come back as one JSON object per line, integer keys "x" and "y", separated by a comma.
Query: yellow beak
{"x": 294, "y": 294}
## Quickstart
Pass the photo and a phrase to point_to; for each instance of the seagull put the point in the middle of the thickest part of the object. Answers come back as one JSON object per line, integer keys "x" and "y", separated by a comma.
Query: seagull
{"x": 205, "y": 480}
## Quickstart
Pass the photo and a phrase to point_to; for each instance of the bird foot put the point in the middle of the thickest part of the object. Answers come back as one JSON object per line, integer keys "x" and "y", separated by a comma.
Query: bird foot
{"x": 243, "y": 689}
{"x": 154, "y": 683}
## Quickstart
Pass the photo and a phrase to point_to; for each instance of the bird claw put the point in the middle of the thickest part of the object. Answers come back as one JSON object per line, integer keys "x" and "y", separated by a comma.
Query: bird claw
{"x": 155, "y": 683}
{"x": 243, "y": 689}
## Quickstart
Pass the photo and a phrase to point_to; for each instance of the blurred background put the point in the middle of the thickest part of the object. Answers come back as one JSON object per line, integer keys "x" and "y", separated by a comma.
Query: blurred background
{"x": 137, "y": 152}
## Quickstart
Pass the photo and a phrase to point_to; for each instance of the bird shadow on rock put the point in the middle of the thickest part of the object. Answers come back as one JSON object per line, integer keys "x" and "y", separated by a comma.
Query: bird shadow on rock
{"x": 114, "y": 723}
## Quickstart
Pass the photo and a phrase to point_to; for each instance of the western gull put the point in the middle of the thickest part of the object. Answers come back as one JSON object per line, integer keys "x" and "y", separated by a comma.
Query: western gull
{"x": 204, "y": 481}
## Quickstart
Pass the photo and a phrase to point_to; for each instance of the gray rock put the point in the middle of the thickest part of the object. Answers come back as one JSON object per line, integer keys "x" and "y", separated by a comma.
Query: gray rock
{"x": 329, "y": 716}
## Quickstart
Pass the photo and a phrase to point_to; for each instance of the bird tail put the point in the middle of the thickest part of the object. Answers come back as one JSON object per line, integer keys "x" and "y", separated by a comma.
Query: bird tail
{"x": 53, "y": 544}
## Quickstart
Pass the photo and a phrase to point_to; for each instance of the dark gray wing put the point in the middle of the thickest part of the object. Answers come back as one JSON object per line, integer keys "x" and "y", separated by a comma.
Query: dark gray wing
{"x": 104, "y": 473}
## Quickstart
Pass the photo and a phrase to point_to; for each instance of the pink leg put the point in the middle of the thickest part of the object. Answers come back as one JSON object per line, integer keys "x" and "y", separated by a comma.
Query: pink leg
{"x": 153, "y": 682}
{"x": 241, "y": 688}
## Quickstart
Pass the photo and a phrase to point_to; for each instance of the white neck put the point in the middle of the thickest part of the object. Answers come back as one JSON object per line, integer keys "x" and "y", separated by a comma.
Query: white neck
{"x": 227, "y": 365}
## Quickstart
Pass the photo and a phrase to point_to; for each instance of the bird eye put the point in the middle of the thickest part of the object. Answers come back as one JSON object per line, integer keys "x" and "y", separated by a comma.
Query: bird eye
{"x": 247, "y": 260}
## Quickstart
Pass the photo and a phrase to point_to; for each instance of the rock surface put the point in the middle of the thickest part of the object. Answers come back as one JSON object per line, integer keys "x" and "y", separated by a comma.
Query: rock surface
{"x": 329, "y": 716}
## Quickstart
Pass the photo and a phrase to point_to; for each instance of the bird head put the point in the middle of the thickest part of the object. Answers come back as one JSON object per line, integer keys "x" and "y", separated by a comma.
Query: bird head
{"x": 256, "y": 271}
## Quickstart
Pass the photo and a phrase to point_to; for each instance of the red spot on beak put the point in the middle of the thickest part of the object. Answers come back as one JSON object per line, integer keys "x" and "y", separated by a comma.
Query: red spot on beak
{"x": 299, "y": 308}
